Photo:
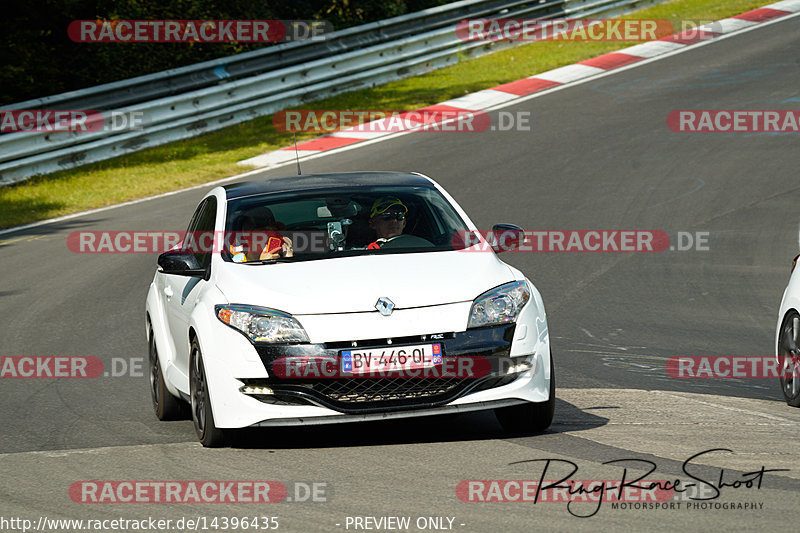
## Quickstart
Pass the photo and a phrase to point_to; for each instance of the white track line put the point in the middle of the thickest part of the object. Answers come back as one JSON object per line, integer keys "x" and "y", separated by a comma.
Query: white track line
{"x": 728, "y": 408}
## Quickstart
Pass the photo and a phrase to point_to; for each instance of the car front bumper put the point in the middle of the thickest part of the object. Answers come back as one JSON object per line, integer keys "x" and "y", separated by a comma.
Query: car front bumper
{"x": 232, "y": 363}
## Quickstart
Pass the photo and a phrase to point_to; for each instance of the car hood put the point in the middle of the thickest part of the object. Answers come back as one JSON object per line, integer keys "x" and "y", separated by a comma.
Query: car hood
{"x": 354, "y": 284}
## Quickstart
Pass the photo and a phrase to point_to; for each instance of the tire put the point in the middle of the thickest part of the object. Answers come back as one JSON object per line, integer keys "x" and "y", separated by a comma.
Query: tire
{"x": 530, "y": 417}
{"x": 789, "y": 357}
{"x": 208, "y": 433}
{"x": 165, "y": 405}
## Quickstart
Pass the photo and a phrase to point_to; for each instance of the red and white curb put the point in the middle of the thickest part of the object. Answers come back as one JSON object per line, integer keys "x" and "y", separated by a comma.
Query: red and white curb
{"x": 501, "y": 94}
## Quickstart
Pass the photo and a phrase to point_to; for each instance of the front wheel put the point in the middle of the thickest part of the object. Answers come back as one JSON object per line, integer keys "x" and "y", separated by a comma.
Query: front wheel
{"x": 209, "y": 434}
{"x": 165, "y": 405}
{"x": 530, "y": 417}
{"x": 789, "y": 358}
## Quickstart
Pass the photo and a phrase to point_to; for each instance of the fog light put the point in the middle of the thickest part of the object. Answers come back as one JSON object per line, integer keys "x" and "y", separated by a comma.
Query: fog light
{"x": 248, "y": 389}
{"x": 517, "y": 369}
{"x": 529, "y": 363}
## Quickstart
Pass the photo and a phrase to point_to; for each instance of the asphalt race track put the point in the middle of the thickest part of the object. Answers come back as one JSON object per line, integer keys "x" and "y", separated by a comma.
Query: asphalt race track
{"x": 599, "y": 156}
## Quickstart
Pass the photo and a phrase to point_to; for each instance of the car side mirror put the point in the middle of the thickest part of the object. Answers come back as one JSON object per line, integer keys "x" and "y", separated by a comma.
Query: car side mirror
{"x": 180, "y": 263}
{"x": 506, "y": 237}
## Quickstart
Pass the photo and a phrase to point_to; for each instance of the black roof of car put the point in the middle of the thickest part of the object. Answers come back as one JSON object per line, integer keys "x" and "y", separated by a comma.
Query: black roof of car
{"x": 323, "y": 181}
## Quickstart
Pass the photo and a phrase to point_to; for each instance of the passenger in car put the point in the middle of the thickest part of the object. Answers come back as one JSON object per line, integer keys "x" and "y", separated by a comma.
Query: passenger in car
{"x": 258, "y": 238}
{"x": 277, "y": 245}
{"x": 238, "y": 243}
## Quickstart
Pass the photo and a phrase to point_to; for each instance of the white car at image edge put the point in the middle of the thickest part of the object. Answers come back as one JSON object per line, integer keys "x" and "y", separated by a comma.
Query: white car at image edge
{"x": 343, "y": 297}
{"x": 787, "y": 338}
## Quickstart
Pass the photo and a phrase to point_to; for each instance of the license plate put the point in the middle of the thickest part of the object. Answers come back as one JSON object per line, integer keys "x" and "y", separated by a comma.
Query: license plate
{"x": 389, "y": 358}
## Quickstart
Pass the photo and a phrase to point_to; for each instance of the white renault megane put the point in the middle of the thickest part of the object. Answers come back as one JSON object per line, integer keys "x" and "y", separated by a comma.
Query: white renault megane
{"x": 344, "y": 297}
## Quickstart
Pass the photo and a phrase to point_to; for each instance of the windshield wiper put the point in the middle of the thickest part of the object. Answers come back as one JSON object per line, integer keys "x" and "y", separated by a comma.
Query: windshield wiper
{"x": 275, "y": 260}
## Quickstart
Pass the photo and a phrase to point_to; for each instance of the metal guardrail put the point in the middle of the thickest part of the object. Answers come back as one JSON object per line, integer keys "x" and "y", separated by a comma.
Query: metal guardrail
{"x": 158, "y": 85}
{"x": 349, "y": 59}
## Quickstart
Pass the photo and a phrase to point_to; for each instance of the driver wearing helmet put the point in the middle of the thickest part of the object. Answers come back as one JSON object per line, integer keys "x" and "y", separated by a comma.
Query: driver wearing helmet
{"x": 388, "y": 218}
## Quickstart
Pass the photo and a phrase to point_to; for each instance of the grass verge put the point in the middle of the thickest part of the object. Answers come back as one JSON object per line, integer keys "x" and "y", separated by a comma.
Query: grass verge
{"x": 214, "y": 155}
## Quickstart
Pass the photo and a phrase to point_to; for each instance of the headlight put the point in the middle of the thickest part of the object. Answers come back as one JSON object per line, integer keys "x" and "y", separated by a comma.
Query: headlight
{"x": 260, "y": 324}
{"x": 500, "y": 305}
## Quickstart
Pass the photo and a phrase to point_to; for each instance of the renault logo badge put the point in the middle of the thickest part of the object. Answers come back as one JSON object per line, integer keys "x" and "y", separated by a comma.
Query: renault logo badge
{"x": 385, "y": 306}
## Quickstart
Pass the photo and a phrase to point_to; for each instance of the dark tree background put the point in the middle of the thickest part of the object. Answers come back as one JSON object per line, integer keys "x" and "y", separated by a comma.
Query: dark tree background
{"x": 38, "y": 59}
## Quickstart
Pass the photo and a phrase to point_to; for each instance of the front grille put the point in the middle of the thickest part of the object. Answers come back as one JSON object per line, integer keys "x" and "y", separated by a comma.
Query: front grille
{"x": 365, "y": 394}
{"x": 385, "y": 390}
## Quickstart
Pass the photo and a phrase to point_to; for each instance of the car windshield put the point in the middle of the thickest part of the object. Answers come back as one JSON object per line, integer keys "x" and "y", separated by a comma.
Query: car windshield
{"x": 320, "y": 224}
